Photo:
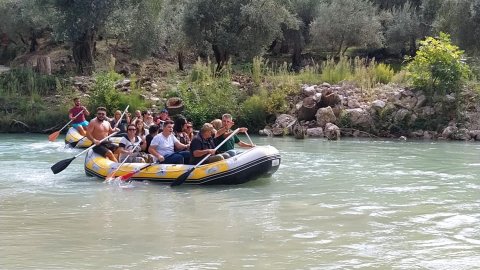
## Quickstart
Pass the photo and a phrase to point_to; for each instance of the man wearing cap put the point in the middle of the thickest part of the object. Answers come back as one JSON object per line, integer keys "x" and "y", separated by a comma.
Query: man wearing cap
{"x": 160, "y": 121}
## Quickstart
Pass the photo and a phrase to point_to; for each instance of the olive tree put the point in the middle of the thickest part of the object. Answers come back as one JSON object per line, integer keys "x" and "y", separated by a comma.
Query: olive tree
{"x": 171, "y": 25}
{"x": 23, "y": 21}
{"x": 79, "y": 22}
{"x": 345, "y": 23}
{"x": 297, "y": 35}
{"x": 241, "y": 28}
{"x": 403, "y": 29}
{"x": 462, "y": 21}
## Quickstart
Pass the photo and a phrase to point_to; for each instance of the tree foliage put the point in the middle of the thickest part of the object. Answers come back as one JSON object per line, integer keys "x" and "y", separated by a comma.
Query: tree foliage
{"x": 23, "y": 22}
{"x": 403, "y": 29}
{"x": 438, "y": 67}
{"x": 172, "y": 35}
{"x": 345, "y": 23}
{"x": 240, "y": 28}
{"x": 79, "y": 21}
{"x": 462, "y": 21}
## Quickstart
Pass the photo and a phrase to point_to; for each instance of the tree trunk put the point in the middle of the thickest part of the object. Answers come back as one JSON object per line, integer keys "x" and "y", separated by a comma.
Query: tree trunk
{"x": 308, "y": 109}
{"x": 297, "y": 50}
{"x": 180, "y": 59}
{"x": 83, "y": 49}
{"x": 339, "y": 50}
{"x": 33, "y": 41}
{"x": 413, "y": 46}
{"x": 221, "y": 57}
{"x": 43, "y": 65}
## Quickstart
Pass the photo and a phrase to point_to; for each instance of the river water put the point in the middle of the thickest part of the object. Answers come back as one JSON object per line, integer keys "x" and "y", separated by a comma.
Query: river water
{"x": 349, "y": 204}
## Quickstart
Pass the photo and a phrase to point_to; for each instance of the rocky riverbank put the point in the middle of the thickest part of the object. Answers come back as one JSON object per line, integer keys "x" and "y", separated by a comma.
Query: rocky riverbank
{"x": 333, "y": 111}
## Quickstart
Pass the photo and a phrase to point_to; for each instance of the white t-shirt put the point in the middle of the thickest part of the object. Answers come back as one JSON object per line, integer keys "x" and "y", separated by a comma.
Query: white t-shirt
{"x": 164, "y": 145}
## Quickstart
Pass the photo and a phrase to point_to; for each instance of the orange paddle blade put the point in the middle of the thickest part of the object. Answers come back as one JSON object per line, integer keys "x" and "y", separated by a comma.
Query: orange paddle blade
{"x": 52, "y": 137}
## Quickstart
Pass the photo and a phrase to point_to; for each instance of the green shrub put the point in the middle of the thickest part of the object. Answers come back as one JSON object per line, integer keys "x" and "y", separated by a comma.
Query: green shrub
{"x": 335, "y": 72}
{"x": 437, "y": 68}
{"x": 310, "y": 74}
{"x": 257, "y": 72}
{"x": 205, "y": 102}
{"x": 104, "y": 94}
{"x": 383, "y": 73}
{"x": 253, "y": 113}
{"x": 26, "y": 82}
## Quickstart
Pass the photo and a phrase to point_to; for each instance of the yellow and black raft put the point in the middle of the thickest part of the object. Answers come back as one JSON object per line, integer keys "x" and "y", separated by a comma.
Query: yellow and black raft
{"x": 249, "y": 165}
{"x": 75, "y": 139}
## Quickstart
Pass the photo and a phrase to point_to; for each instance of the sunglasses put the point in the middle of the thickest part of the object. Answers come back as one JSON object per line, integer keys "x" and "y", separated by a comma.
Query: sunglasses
{"x": 132, "y": 129}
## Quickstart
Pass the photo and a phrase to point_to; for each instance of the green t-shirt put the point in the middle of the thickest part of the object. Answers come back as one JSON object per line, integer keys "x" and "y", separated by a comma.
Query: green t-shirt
{"x": 228, "y": 145}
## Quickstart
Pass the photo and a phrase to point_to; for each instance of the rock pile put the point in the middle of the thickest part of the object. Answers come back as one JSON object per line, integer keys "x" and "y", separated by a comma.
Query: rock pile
{"x": 332, "y": 110}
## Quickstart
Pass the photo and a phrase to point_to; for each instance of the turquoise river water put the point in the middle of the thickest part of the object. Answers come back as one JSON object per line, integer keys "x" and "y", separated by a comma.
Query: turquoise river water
{"x": 348, "y": 204}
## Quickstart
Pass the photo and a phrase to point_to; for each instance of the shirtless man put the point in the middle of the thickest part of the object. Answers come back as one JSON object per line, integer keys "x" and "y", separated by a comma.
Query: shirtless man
{"x": 98, "y": 129}
{"x": 78, "y": 122}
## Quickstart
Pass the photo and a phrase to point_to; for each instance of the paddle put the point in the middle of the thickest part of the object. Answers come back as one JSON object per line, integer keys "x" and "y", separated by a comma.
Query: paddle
{"x": 181, "y": 179}
{"x": 63, "y": 164}
{"x": 111, "y": 174}
{"x": 52, "y": 137}
{"x": 74, "y": 144}
{"x": 251, "y": 143}
{"x": 129, "y": 175}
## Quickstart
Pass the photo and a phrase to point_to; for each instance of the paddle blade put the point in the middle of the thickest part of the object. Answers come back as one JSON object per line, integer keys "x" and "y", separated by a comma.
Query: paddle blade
{"x": 110, "y": 175}
{"x": 52, "y": 137}
{"x": 181, "y": 179}
{"x": 127, "y": 176}
{"x": 61, "y": 165}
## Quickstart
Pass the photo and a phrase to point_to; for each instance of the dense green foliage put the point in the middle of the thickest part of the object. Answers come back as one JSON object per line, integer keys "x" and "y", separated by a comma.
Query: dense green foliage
{"x": 234, "y": 27}
{"x": 438, "y": 67}
{"x": 22, "y": 98}
{"x": 342, "y": 24}
{"x": 297, "y": 36}
{"x": 104, "y": 94}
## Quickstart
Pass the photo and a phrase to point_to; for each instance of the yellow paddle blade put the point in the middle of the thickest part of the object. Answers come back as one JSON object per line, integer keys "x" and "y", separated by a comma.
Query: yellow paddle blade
{"x": 52, "y": 137}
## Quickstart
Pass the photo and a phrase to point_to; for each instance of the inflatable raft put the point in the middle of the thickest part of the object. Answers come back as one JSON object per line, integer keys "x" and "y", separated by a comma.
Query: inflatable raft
{"x": 249, "y": 165}
{"x": 74, "y": 139}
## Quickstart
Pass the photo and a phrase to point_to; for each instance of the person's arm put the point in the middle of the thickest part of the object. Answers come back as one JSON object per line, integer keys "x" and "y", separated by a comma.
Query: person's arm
{"x": 143, "y": 145}
{"x": 221, "y": 131}
{"x": 179, "y": 145}
{"x": 201, "y": 153}
{"x": 153, "y": 150}
{"x": 244, "y": 144}
{"x": 122, "y": 150}
{"x": 197, "y": 151}
{"x": 112, "y": 130}
{"x": 70, "y": 115}
{"x": 85, "y": 111}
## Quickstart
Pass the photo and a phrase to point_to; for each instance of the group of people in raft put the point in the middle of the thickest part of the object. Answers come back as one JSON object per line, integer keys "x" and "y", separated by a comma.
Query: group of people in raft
{"x": 150, "y": 139}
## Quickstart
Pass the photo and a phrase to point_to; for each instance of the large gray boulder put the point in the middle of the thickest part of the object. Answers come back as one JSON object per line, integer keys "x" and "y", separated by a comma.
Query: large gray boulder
{"x": 324, "y": 116}
{"x": 284, "y": 120}
{"x": 332, "y": 132}
{"x": 449, "y": 132}
{"x": 360, "y": 118}
{"x": 315, "y": 132}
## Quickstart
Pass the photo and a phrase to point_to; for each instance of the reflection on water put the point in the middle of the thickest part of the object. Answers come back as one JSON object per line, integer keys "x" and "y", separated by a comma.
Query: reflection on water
{"x": 331, "y": 205}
